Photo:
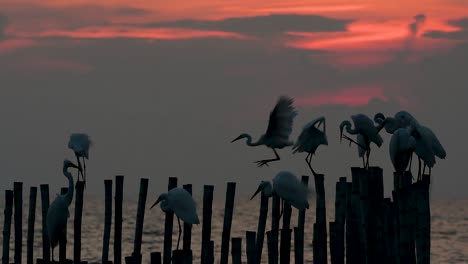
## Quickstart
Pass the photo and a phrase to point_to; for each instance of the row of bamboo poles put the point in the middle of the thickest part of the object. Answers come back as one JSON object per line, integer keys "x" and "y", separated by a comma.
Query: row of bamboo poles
{"x": 368, "y": 228}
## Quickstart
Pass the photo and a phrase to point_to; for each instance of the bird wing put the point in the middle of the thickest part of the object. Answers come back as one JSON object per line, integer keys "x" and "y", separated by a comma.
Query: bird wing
{"x": 57, "y": 217}
{"x": 281, "y": 119}
{"x": 288, "y": 187}
{"x": 365, "y": 126}
{"x": 80, "y": 143}
{"x": 310, "y": 138}
{"x": 437, "y": 147}
{"x": 183, "y": 205}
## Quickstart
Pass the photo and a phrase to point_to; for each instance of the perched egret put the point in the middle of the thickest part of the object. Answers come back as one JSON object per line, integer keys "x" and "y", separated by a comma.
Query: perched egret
{"x": 310, "y": 139}
{"x": 366, "y": 131}
{"x": 278, "y": 131}
{"x": 80, "y": 144}
{"x": 182, "y": 204}
{"x": 402, "y": 145}
{"x": 57, "y": 214}
{"x": 288, "y": 187}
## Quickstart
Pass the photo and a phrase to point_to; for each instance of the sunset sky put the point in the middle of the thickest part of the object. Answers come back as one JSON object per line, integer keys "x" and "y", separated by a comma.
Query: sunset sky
{"x": 163, "y": 86}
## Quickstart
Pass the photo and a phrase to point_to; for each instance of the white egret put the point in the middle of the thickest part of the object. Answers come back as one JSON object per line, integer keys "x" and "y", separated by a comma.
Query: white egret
{"x": 80, "y": 144}
{"x": 57, "y": 214}
{"x": 288, "y": 187}
{"x": 278, "y": 131}
{"x": 182, "y": 204}
{"x": 366, "y": 131}
{"x": 310, "y": 139}
{"x": 402, "y": 145}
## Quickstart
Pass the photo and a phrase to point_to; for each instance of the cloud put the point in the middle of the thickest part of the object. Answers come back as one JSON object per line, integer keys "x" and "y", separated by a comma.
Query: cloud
{"x": 3, "y": 25}
{"x": 460, "y": 34}
{"x": 416, "y": 26}
{"x": 262, "y": 25}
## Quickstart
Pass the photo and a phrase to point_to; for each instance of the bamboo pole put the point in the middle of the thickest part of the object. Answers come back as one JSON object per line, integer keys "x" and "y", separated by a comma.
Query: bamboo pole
{"x": 63, "y": 239}
{"x": 261, "y": 226}
{"x": 353, "y": 220}
{"x": 424, "y": 221}
{"x": 236, "y": 250}
{"x": 320, "y": 226}
{"x": 208, "y": 254}
{"x": 168, "y": 226}
{"x": 228, "y": 211}
{"x": 340, "y": 217}
{"x": 18, "y": 217}
{"x": 31, "y": 221}
{"x": 334, "y": 242}
{"x": 119, "y": 182}
{"x": 364, "y": 206}
{"x": 107, "y": 220}
{"x": 45, "y": 208}
{"x": 272, "y": 240}
{"x": 140, "y": 217}
{"x": 250, "y": 247}
{"x": 206, "y": 225}
{"x": 275, "y": 218}
{"x": 178, "y": 257}
{"x": 77, "y": 222}
{"x": 298, "y": 245}
{"x": 285, "y": 244}
{"x": 7, "y": 226}
{"x": 155, "y": 258}
{"x": 187, "y": 240}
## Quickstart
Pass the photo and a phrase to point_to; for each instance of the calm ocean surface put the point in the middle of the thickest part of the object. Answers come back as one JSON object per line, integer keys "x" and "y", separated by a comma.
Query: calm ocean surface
{"x": 449, "y": 229}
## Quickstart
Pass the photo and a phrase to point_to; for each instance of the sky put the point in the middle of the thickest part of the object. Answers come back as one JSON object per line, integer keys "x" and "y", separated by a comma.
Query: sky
{"x": 162, "y": 87}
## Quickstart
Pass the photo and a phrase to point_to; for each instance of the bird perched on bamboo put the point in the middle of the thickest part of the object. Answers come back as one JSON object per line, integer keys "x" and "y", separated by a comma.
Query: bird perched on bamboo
{"x": 278, "y": 131}
{"x": 310, "y": 139}
{"x": 402, "y": 146}
{"x": 366, "y": 133}
{"x": 57, "y": 214}
{"x": 182, "y": 204}
{"x": 427, "y": 145}
{"x": 80, "y": 144}
{"x": 288, "y": 187}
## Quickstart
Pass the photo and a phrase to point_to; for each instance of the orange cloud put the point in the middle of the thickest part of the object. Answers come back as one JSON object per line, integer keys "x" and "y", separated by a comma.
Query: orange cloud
{"x": 12, "y": 45}
{"x": 353, "y": 96}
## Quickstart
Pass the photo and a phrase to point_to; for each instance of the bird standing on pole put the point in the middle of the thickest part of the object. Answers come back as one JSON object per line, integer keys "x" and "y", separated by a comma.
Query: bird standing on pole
{"x": 80, "y": 144}
{"x": 278, "y": 131}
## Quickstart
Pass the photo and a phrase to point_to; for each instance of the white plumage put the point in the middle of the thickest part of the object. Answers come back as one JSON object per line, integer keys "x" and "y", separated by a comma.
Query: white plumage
{"x": 310, "y": 139}
{"x": 80, "y": 144}
{"x": 57, "y": 214}
{"x": 278, "y": 131}
{"x": 182, "y": 204}
{"x": 402, "y": 145}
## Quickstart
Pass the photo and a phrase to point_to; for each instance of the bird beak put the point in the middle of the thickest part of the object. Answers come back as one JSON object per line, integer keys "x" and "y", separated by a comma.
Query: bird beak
{"x": 155, "y": 203}
{"x": 341, "y": 135}
{"x": 237, "y": 138}
{"x": 256, "y": 192}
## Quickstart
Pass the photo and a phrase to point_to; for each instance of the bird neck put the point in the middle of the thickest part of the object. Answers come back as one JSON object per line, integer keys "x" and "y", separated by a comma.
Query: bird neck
{"x": 249, "y": 141}
{"x": 71, "y": 187}
{"x": 350, "y": 130}
{"x": 165, "y": 206}
{"x": 268, "y": 190}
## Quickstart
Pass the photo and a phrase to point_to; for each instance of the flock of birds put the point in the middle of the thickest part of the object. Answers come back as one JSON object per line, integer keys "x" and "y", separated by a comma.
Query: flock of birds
{"x": 409, "y": 137}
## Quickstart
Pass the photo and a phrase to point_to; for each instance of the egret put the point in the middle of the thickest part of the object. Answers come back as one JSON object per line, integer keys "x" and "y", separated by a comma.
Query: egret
{"x": 278, "y": 131}
{"x": 366, "y": 131}
{"x": 57, "y": 214}
{"x": 288, "y": 187}
{"x": 310, "y": 139}
{"x": 402, "y": 145}
{"x": 80, "y": 144}
{"x": 182, "y": 204}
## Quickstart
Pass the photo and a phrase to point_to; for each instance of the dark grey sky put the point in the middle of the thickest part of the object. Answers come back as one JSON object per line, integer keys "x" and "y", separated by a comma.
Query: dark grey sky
{"x": 165, "y": 108}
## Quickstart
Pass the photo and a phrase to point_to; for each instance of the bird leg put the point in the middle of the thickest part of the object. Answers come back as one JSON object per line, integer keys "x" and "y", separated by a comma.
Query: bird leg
{"x": 309, "y": 160}
{"x": 79, "y": 165}
{"x": 180, "y": 232}
{"x": 260, "y": 163}
{"x": 84, "y": 170}
{"x": 368, "y": 155}
{"x": 282, "y": 207}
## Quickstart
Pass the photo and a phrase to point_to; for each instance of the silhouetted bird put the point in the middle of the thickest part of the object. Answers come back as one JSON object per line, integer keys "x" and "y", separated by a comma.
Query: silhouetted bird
{"x": 182, "y": 204}
{"x": 310, "y": 139}
{"x": 366, "y": 133}
{"x": 278, "y": 131}
{"x": 80, "y": 144}
{"x": 57, "y": 214}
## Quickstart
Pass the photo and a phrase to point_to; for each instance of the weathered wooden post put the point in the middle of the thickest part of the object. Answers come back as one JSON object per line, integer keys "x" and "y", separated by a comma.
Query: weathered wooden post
{"x": 423, "y": 243}
{"x": 7, "y": 226}
{"x": 77, "y": 222}
{"x": 353, "y": 221}
{"x": 178, "y": 257}
{"x": 155, "y": 258}
{"x": 107, "y": 220}
{"x": 320, "y": 226}
{"x": 299, "y": 233}
{"x": 208, "y": 254}
{"x": 364, "y": 206}
{"x": 272, "y": 240}
{"x": 374, "y": 232}
{"x": 63, "y": 240}
{"x": 228, "y": 211}
{"x": 250, "y": 248}
{"x": 31, "y": 221}
{"x": 236, "y": 250}
{"x": 334, "y": 251}
{"x": 388, "y": 230}
{"x": 140, "y": 217}
{"x": 206, "y": 225}
{"x": 275, "y": 219}
{"x": 119, "y": 182}
{"x": 45, "y": 237}
{"x": 340, "y": 217}
{"x": 187, "y": 240}
{"x": 261, "y": 226}
{"x": 18, "y": 207}
{"x": 285, "y": 243}
{"x": 168, "y": 225}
